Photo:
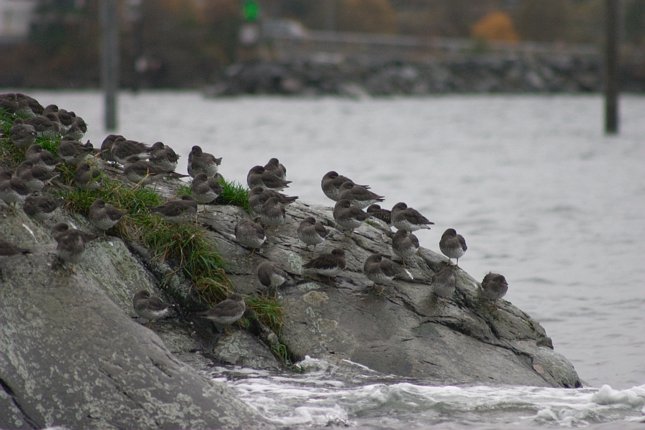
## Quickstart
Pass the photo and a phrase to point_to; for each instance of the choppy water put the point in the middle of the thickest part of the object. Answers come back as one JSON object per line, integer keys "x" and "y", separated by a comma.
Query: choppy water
{"x": 531, "y": 182}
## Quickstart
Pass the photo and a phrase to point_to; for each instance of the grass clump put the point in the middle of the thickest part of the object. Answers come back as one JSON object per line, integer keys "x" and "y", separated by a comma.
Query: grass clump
{"x": 234, "y": 193}
{"x": 268, "y": 310}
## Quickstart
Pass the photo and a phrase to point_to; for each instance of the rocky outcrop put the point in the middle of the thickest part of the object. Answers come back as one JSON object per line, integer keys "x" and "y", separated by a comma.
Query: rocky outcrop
{"x": 72, "y": 355}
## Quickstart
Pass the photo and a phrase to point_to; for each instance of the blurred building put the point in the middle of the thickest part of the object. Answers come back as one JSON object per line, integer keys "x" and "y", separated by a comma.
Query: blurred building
{"x": 15, "y": 20}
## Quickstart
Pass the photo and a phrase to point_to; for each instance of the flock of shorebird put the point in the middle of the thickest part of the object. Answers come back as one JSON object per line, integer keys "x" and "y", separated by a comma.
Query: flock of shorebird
{"x": 142, "y": 164}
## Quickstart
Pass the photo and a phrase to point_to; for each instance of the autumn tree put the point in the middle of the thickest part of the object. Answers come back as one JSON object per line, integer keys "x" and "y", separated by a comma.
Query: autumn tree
{"x": 495, "y": 26}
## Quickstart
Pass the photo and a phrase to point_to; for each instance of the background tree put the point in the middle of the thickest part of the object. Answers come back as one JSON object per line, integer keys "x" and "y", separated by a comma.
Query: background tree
{"x": 495, "y": 26}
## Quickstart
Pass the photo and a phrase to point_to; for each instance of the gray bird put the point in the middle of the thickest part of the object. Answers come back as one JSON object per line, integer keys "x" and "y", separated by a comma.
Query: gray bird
{"x": 106, "y": 146}
{"x": 347, "y": 216}
{"x": 312, "y": 232}
{"x": 405, "y": 244}
{"x": 22, "y": 135}
{"x": 103, "y": 215}
{"x": 140, "y": 172}
{"x": 250, "y": 233}
{"x": 382, "y": 271}
{"x": 8, "y": 249}
{"x": 405, "y": 218}
{"x": 452, "y": 245}
{"x": 271, "y": 276}
{"x": 122, "y": 149}
{"x": 206, "y": 189}
{"x": 179, "y": 210}
{"x": 202, "y": 162}
{"x": 332, "y": 182}
{"x": 13, "y": 190}
{"x": 70, "y": 242}
{"x": 163, "y": 158}
{"x": 258, "y": 176}
{"x": 40, "y": 206}
{"x": 274, "y": 166}
{"x": 34, "y": 176}
{"x": 493, "y": 286}
{"x": 259, "y": 195}
{"x": 149, "y": 307}
{"x": 227, "y": 311}
{"x": 73, "y": 151}
{"x": 329, "y": 264}
{"x": 272, "y": 213}
{"x": 87, "y": 177}
{"x": 360, "y": 196}
{"x": 45, "y": 126}
{"x": 444, "y": 282}
{"x": 77, "y": 130}
{"x": 40, "y": 156}
{"x": 377, "y": 212}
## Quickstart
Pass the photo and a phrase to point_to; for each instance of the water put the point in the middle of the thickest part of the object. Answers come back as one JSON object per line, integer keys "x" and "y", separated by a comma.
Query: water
{"x": 531, "y": 182}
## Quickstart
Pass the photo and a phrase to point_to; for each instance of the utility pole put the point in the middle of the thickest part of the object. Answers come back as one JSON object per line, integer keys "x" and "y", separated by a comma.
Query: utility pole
{"x": 611, "y": 66}
{"x": 109, "y": 60}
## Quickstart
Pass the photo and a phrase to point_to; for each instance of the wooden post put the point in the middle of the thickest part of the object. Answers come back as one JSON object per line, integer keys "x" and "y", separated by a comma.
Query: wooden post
{"x": 611, "y": 66}
{"x": 109, "y": 60}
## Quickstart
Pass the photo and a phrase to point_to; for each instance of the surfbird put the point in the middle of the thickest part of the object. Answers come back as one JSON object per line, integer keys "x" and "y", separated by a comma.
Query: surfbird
{"x": 377, "y": 212}
{"x": 139, "y": 171}
{"x": 8, "y": 249}
{"x": 122, "y": 149}
{"x": 452, "y": 245}
{"x": 22, "y": 135}
{"x": 73, "y": 151}
{"x": 13, "y": 190}
{"x": 360, "y": 196}
{"x": 45, "y": 125}
{"x": 177, "y": 211}
{"x": 227, "y": 311}
{"x": 106, "y": 146}
{"x": 70, "y": 242}
{"x": 274, "y": 166}
{"x": 150, "y": 307}
{"x": 206, "y": 189}
{"x": 87, "y": 177}
{"x": 272, "y": 213}
{"x": 312, "y": 232}
{"x": 444, "y": 282}
{"x": 250, "y": 233}
{"x": 40, "y": 206}
{"x": 405, "y": 244}
{"x": 258, "y": 176}
{"x": 259, "y": 195}
{"x": 40, "y": 156}
{"x": 382, "y": 271}
{"x": 493, "y": 286}
{"x": 163, "y": 158}
{"x": 347, "y": 216}
{"x": 405, "y": 218}
{"x": 35, "y": 176}
{"x": 202, "y": 162}
{"x": 328, "y": 264}
{"x": 271, "y": 276}
{"x": 103, "y": 215}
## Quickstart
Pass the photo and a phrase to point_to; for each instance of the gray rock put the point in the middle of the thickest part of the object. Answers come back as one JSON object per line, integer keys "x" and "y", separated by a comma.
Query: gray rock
{"x": 72, "y": 355}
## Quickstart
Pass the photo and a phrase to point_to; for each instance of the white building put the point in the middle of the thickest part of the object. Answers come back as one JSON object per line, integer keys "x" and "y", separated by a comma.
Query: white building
{"x": 15, "y": 18}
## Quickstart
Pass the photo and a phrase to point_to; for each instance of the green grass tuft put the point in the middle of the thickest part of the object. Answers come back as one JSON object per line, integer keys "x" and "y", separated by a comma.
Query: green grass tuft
{"x": 268, "y": 310}
{"x": 184, "y": 190}
{"x": 49, "y": 143}
{"x": 233, "y": 193}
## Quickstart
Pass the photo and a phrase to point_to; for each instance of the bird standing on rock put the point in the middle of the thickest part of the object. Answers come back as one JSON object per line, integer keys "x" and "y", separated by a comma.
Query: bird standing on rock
{"x": 405, "y": 244}
{"x": 163, "y": 158}
{"x": 22, "y": 135}
{"x": 493, "y": 286}
{"x": 271, "y": 276}
{"x": 272, "y": 213}
{"x": 13, "y": 190}
{"x": 205, "y": 189}
{"x": 348, "y": 217}
{"x": 312, "y": 232}
{"x": 360, "y": 196}
{"x": 332, "y": 182}
{"x": 259, "y": 195}
{"x": 122, "y": 149}
{"x": 40, "y": 206}
{"x": 405, "y": 218}
{"x": 87, "y": 177}
{"x": 70, "y": 242}
{"x": 250, "y": 233}
{"x": 382, "y": 271}
{"x": 329, "y": 264}
{"x": 177, "y": 211}
{"x": 258, "y": 176}
{"x": 377, "y": 212}
{"x": 149, "y": 307}
{"x": 452, "y": 245}
{"x": 103, "y": 215}
{"x": 274, "y": 166}
{"x": 202, "y": 162}
{"x": 227, "y": 311}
